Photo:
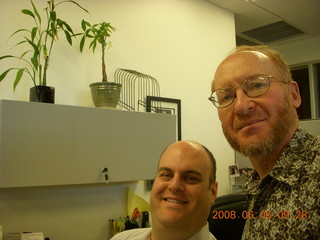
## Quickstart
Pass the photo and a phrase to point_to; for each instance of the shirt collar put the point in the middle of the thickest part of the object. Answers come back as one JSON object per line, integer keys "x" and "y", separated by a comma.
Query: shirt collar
{"x": 203, "y": 234}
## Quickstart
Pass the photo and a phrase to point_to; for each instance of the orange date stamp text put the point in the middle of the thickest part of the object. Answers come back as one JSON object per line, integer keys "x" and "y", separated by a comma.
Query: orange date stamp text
{"x": 220, "y": 214}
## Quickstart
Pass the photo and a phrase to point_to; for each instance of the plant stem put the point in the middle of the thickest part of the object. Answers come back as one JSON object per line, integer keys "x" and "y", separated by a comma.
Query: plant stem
{"x": 46, "y": 62}
{"x": 40, "y": 73}
{"x": 104, "y": 71}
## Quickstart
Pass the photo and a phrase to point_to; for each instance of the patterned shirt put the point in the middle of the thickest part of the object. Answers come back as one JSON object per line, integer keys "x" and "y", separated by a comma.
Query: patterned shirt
{"x": 286, "y": 203}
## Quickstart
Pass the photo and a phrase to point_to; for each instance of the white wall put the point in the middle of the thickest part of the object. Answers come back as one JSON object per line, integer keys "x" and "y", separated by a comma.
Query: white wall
{"x": 303, "y": 51}
{"x": 179, "y": 42}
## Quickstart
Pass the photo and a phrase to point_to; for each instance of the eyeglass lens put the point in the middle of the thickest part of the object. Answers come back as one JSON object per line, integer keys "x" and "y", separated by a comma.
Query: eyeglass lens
{"x": 252, "y": 87}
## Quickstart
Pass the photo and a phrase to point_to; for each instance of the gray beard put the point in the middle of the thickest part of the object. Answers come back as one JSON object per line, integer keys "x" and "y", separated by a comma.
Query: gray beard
{"x": 276, "y": 136}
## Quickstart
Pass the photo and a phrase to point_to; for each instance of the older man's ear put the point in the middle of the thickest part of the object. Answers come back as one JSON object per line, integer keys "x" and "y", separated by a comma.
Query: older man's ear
{"x": 294, "y": 94}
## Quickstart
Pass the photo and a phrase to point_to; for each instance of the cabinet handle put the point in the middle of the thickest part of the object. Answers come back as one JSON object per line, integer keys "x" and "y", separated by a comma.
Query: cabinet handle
{"x": 106, "y": 175}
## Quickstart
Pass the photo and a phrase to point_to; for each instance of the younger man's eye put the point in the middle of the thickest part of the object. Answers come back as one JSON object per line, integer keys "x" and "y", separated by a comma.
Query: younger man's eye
{"x": 165, "y": 175}
{"x": 192, "y": 179}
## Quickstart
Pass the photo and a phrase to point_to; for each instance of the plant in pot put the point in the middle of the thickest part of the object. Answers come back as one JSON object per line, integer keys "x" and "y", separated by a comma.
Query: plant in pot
{"x": 104, "y": 94}
{"x": 38, "y": 42}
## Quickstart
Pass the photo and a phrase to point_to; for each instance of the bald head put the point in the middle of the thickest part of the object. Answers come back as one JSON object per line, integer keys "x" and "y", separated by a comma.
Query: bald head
{"x": 260, "y": 54}
{"x": 192, "y": 149}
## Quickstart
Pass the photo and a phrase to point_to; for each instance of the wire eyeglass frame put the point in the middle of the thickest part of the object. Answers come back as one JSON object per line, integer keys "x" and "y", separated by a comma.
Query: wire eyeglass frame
{"x": 253, "y": 87}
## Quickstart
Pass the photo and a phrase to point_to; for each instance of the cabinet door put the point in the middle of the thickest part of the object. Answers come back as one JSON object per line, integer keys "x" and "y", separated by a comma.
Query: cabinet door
{"x": 49, "y": 144}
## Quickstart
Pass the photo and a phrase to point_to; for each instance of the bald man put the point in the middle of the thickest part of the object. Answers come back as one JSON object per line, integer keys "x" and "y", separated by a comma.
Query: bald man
{"x": 183, "y": 192}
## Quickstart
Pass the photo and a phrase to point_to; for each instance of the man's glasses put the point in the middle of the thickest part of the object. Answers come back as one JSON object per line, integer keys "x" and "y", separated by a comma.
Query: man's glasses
{"x": 253, "y": 87}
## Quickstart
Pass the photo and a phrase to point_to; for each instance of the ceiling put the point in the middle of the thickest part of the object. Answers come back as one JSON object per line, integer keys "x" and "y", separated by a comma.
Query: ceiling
{"x": 273, "y": 21}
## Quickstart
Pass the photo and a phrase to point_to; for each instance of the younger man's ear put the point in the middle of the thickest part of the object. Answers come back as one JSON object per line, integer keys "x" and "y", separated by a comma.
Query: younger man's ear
{"x": 214, "y": 191}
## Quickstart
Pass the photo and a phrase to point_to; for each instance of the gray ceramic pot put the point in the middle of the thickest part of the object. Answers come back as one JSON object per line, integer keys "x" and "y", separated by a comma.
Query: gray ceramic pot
{"x": 105, "y": 94}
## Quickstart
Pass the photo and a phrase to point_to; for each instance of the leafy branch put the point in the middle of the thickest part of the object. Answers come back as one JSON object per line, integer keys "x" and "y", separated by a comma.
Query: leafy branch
{"x": 98, "y": 34}
{"x": 39, "y": 41}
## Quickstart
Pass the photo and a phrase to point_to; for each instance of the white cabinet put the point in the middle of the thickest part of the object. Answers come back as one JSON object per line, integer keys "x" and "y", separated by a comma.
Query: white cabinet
{"x": 49, "y": 144}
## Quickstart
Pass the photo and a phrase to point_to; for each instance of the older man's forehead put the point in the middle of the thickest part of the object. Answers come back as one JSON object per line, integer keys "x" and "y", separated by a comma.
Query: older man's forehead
{"x": 229, "y": 71}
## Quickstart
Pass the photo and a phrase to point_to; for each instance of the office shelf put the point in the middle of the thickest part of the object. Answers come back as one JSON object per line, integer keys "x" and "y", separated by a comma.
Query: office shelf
{"x": 49, "y": 144}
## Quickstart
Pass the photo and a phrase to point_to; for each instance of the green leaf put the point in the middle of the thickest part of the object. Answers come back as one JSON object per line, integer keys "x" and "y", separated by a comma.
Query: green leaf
{"x": 32, "y": 44}
{"x": 82, "y": 42}
{"x": 59, "y": 21}
{"x": 67, "y": 27}
{"x": 50, "y": 34}
{"x": 28, "y": 12}
{"x": 7, "y": 56}
{"x": 75, "y": 4}
{"x": 45, "y": 50}
{"x": 19, "y": 43}
{"x": 4, "y": 74}
{"x": 33, "y": 33}
{"x": 18, "y": 78}
{"x": 36, "y": 12}
{"x": 54, "y": 30}
{"x": 94, "y": 46}
{"x": 94, "y": 26}
{"x": 91, "y": 44}
{"x": 68, "y": 37}
{"x": 34, "y": 60}
{"x": 87, "y": 33}
{"x": 83, "y": 25}
{"x": 23, "y": 54}
{"x": 19, "y": 30}
{"x": 53, "y": 16}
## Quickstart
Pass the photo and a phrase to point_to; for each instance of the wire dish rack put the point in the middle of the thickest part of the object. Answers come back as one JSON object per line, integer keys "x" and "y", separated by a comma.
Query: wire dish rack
{"x": 136, "y": 87}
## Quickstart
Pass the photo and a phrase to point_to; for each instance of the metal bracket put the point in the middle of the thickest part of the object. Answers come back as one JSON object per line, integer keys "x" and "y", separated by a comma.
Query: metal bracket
{"x": 106, "y": 175}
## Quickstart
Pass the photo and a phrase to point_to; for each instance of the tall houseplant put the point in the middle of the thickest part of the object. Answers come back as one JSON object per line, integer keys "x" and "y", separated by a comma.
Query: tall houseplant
{"x": 104, "y": 93}
{"x": 38, "y": 42}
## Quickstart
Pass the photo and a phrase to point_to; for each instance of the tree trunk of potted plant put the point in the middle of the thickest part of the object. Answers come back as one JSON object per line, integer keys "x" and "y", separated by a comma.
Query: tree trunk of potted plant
{"x": 104, "y": 94}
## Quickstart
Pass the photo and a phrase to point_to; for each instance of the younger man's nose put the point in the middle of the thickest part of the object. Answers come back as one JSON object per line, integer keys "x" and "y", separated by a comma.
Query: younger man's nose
{"x": 175, "y": 185}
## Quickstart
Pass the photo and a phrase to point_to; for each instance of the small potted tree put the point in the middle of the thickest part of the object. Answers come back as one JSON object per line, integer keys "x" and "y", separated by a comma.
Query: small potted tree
{"x": 38, "y": 42}
{"x": 104, "y": 93}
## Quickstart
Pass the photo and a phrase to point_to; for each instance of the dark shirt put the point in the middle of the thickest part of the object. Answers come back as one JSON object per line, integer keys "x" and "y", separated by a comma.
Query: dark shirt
{"x": 286, "y": 203}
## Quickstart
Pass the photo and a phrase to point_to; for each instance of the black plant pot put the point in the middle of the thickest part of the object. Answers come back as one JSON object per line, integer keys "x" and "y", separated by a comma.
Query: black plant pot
{"x": 43, "y": 94}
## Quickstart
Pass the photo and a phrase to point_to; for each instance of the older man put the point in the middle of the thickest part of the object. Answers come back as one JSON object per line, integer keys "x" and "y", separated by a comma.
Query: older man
{"x": 257, "y": 100}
